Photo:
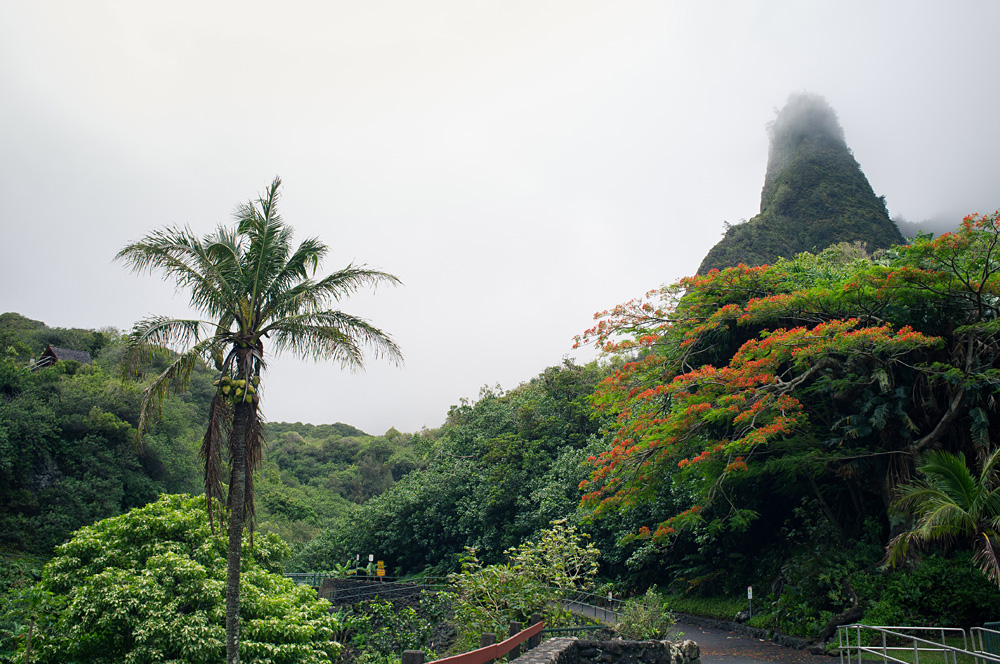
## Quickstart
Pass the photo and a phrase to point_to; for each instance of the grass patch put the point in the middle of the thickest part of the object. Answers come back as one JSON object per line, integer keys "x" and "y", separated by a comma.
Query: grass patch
{"x": 720, "y": 608}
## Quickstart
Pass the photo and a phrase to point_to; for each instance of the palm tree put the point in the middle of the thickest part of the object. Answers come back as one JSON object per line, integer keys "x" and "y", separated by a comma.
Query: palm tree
{"x": 951, "y": 503}
{"x": 252, "y": 287}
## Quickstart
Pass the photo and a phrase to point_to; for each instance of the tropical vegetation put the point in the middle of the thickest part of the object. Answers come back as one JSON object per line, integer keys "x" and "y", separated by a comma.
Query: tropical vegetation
{"x": 950, "y": 503}
{"x": 147, "y": 586}
{"x": 813, "y": 419}
{"x": 252, "y": 285}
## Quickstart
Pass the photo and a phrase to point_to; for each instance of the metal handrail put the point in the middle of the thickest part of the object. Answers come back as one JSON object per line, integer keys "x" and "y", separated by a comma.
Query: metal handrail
{"x": 950, "y": 653}
{"x": 604, "y": 609}
{"x": 986, "y": 637}
{"x": 387, "y": 587}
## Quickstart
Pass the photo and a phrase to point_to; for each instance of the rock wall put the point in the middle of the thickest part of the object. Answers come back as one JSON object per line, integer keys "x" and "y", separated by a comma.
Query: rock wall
{"x": 576, "y": 651}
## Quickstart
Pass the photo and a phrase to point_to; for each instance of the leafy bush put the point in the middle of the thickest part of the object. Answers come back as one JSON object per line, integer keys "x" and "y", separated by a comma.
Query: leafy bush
{"x": 559, "y": 558}
{"x": 937, "y": 591}
{"x": 381, "y": 630}
{"x": 489, "y": 598}
{"x": 645, "y": 617}
{"x": 536, "y": 578}
{"x": 147, "y": 586}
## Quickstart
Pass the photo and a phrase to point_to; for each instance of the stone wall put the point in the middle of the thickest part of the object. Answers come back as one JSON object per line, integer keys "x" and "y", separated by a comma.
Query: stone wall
{"x": 577, "y": 651}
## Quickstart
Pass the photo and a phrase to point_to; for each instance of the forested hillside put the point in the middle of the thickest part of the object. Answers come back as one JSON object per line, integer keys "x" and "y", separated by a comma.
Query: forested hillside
{"x": 753, "y": 426}
{"x": 501, "y": 468}
{"x": 314, "y": 475}
{"x": 748, "y": 427}
{"x": 68, "y": 454}
{"x": 814, "y": 194}
{"x": 789, "y": 419}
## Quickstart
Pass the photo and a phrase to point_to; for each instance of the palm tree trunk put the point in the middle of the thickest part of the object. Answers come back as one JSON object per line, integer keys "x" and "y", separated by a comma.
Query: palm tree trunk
{"x": 237, "y": 502}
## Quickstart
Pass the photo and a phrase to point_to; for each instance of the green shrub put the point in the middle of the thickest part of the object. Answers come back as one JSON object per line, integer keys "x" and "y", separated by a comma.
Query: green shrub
{"x": 644, "y": 618}
{"x": 381, "y": 631}
{"x": 537, "y": 577}
{"x": 148, "y": 586}
{"x": 937, "y": 591}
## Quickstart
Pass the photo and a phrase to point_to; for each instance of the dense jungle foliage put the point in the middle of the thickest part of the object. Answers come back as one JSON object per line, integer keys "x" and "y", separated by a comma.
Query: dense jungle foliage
{"x": 764, "y": 426}
{"x": 68, "y": 455}
{"x": 146, "y": 586}
{"x": 748, "y": 427}
{"x": 500, "y": 469}
{"x": 807, "y": 394}
{"x": 752, "y": 427}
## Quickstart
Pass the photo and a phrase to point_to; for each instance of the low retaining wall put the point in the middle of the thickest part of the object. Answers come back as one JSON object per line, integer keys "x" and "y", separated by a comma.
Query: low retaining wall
{"x": 578, "y": 651}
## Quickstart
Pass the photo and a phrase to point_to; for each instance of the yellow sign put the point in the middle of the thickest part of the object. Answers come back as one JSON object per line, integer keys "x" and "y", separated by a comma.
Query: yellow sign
{"x": 380, "y": 571}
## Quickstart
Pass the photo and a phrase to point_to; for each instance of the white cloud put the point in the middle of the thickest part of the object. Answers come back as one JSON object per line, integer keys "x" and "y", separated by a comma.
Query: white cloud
{"x": 519, "y": 164}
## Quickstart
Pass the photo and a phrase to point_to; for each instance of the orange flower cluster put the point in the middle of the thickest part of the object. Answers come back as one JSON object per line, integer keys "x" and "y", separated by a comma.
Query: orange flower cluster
{"x": 723, "y": 358}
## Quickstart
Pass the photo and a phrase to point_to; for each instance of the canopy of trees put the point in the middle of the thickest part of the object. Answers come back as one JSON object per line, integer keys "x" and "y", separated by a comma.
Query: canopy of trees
{"x": 500, "y": 469}
{"x": 146, "y": 586}
{"x": 822, "y": 378}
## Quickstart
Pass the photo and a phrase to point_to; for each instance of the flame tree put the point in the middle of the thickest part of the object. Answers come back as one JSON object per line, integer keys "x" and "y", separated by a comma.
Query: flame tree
{"x": 837, "y": 370}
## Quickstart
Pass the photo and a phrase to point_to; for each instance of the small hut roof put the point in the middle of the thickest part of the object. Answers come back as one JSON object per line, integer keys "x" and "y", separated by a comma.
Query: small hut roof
{"x": 81, "y": 356}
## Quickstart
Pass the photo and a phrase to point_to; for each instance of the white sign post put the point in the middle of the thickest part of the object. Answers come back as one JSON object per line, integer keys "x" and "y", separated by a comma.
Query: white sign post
{"x": 750, "y": 597}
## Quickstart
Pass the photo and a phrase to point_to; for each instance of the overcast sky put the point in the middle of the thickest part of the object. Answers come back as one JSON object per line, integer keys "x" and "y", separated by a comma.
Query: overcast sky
{"x": 519, "y": 165}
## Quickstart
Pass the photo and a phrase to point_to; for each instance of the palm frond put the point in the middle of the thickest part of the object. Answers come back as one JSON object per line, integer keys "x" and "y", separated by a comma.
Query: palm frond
{"x": 185, "y": 259}
{"x": 175, "y": 377}
{"x": 219, "y": 419}
{"x": 951, "y": 503}
{"x": 898, "y": 549}
{"x": 987, "y": 557}
{"x": 269, "y": 241}
{"x": 312, "y": 295}
{"x": 254, "y": 459}
{"x": 951, "y": 475}
{"x": 989, "y": 475}
{"x": 300, "y": 265}
{"x": 348, "y": 280}
{"x": 332, "y": 335}
{"x": 156, "y": 332}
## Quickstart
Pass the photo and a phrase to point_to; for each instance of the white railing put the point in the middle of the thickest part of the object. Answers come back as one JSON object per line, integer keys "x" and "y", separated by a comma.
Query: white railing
{"x": 865, "y": 643}
{"x": 985, "y": 640}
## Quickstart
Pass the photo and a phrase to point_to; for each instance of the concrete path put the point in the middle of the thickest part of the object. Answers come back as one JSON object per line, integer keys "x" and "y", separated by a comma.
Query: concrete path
{"x": 719, "y": 646}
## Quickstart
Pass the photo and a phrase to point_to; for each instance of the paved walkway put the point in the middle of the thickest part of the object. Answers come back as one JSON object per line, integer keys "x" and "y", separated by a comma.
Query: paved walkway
{"x": 719, "y": 646}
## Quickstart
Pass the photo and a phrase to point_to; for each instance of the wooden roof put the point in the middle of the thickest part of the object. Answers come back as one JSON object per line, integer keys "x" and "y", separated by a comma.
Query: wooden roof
{"x": 57, "y": 353}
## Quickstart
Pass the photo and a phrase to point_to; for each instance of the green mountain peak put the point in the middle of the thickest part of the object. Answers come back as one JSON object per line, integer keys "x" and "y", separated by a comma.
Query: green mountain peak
{"x": 814, "y": 194}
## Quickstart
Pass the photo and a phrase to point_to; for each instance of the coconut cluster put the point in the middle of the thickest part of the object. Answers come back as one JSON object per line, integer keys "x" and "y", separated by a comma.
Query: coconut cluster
{"x": 237, "y": 389}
